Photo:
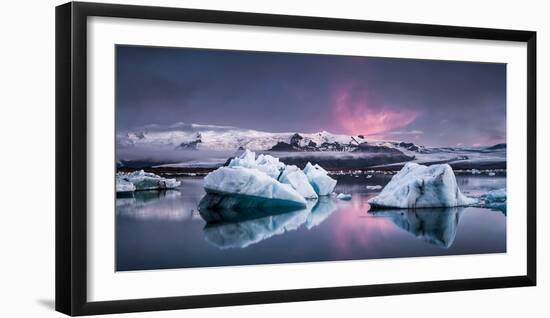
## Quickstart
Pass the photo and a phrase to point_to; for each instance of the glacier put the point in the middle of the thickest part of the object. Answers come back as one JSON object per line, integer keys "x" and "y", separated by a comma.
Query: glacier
{"x": 418, "y": 186}
{"x": 319, "y": 179}
{"x": 141, "y": 180}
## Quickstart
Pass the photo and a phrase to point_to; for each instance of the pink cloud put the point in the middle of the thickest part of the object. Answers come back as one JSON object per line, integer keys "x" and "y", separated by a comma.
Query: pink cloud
{"x": 357, "y": 114}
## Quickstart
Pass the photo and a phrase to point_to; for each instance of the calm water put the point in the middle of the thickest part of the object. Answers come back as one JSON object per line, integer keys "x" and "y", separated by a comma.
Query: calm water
{"x": 156, "y": 230}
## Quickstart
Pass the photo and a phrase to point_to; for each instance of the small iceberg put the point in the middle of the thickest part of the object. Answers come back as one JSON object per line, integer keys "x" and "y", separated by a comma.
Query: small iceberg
{"x": 493, "y": 196}
{"x": 319, "y": 179}
{"x": 495, "y": 200}
{"x": 141, "y": 180}
{"x": 418, "y": 186}
{"x": 374, "y": 187}
{"x": 344, "y": 196}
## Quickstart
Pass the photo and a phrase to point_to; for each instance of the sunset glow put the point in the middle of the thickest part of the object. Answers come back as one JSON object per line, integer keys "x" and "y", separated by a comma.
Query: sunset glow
{"x": 357, "y": 115}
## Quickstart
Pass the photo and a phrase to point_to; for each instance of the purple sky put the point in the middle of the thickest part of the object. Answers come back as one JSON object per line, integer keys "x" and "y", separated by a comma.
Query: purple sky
{"x": 434, "y": 103}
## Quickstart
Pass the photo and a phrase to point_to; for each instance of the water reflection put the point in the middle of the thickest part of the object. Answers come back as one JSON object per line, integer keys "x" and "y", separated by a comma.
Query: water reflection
{"x": 164, "y": 229}
{"x": 154, "y": 204}
{"x": 322, "y": 209}
{"x": 436, "y": 226}
{"x": 235, "y": 222}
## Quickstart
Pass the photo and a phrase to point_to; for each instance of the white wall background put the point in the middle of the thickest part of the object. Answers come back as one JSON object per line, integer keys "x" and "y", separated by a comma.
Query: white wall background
{"x": 27, "y": 158}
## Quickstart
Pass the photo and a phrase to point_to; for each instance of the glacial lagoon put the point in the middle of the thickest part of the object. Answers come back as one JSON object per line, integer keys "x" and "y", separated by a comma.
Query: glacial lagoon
{"x": 166, "y": 229}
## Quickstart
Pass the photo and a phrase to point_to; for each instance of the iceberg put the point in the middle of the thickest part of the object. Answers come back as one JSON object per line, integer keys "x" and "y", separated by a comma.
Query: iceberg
{"x": 494, "y": 196}
{"x": 343, "y": 196}
{"x": 374, "y": 187}
{"x": 141, "y": 180}
{"x": 319, "y": 179}
{"x": 298, "y": 180}
{"x": 252, "y": 183}
{"x": 418, "y": 186}
{"x": 264, "y": 182}
{"x": 495, "y": 200}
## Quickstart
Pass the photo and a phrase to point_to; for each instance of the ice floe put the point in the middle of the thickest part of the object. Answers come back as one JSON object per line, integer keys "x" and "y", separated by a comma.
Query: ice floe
{"x": 344, "y": 196}
{"x": 495, "y": 200}
{"x": 374, "y": 187}
{"x": 141, "y": 180}
{"x": 418, "y": 186}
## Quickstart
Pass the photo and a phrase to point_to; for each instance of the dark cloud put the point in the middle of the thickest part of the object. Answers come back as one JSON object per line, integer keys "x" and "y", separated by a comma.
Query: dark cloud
{"x": 448, "y": 102}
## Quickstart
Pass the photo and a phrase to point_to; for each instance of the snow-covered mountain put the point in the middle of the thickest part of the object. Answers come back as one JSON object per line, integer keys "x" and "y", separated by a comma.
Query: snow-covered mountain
{"x": 183, "y": 136}
{"x": 184, "y": 145}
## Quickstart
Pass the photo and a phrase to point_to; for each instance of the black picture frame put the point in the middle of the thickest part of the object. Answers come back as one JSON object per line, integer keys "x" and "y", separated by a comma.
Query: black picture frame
{"x": 71, "y": 157}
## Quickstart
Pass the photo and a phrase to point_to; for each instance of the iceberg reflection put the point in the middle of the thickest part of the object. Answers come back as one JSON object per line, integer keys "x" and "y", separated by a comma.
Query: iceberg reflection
{"x": 154, "y": 205}
{"x": 322, "y": 209}
{"x": 436, "y": 226}
{"x": 238, "y": 221}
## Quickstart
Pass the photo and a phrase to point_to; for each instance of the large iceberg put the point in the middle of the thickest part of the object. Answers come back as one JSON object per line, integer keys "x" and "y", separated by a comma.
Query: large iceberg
{"x": 418, "y": 186}
{"x": 319, "y": 179}
{"x": 252, "y": 183}
{"x": 264, "y": 182}
{"x": 141, "y": 180}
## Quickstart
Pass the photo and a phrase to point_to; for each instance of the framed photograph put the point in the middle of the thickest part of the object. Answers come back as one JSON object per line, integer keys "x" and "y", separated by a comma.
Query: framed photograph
{"x": 209, "y": 158}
